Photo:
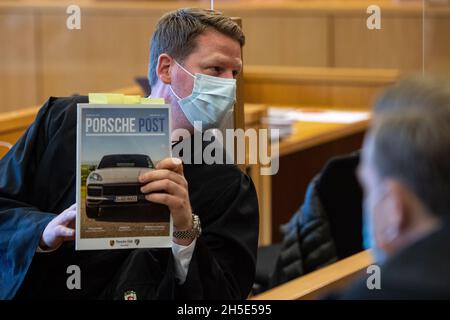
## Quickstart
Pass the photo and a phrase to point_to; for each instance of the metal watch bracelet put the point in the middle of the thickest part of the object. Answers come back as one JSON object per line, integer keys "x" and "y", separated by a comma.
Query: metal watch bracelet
{"x": 192, "y": 233}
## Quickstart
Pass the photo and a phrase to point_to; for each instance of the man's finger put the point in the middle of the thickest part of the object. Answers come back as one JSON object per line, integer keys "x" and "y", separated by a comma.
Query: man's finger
{"x": 164, "y": 198}
{"x": 164, "y": 185}
{"x": 67, "y": 217}
{"x": 64, "y": 232}
{"x": 162, "y": 174}
{"x": 173, "y": 164}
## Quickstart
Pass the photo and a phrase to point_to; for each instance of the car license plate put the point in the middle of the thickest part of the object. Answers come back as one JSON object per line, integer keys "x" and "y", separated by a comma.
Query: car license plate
{"x": 126, "y": 199}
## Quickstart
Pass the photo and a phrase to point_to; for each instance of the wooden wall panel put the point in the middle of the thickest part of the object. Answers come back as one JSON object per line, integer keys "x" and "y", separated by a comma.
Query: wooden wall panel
{"x": 17, "y": 61}
{"x": 397, "y": 45}
{"x": 112, "y": 46}
{"x": 286, "y": 40}
{"x": 107, "y": 53}
{"x": 437, "y": 45}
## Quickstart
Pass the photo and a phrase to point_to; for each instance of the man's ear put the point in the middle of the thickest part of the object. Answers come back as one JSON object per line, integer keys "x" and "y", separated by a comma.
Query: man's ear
{"x": 163, "y": 68}
{"x": 395, "y": 212}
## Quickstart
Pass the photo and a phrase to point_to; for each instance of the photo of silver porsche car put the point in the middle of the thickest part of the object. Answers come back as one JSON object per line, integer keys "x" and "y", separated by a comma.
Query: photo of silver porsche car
{"x": 114, "y": 183}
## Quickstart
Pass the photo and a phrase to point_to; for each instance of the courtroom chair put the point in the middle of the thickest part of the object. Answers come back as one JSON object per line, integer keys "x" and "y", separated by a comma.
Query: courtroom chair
{"x": 144, "y": 85}
{"x": 341, "y": 194}
{"x": 5, "y": 144}
{"x": 4, "y": 147}
{"x": 326, "y": 228}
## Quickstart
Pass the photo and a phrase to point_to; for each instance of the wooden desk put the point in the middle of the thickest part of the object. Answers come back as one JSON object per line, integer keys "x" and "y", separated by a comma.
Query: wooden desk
{"x": 310, "y": 134}
{"x": 321, "y": 282}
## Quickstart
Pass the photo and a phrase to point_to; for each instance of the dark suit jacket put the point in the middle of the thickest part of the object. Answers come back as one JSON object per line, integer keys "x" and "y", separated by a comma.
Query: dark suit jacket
{"x": 420, "y": 271}
{"x": 37, "y": 181}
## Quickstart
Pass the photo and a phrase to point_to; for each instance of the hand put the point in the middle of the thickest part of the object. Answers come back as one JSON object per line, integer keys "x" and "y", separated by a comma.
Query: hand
{"x": 167, "y": 185}
{"x": 60, "y": 229}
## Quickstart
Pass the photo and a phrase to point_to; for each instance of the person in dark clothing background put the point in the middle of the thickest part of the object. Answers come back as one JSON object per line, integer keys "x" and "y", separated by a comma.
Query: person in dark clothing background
{"x": 37, "y": 188}
{"x": 405, "y": 174}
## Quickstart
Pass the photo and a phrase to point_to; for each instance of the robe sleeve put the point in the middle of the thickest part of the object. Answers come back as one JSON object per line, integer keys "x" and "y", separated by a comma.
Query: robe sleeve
{"x": 223, "y": 262}
{"x": 21, "y": 222}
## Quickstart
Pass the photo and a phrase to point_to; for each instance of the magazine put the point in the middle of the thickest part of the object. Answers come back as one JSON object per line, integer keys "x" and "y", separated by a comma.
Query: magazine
{"x": 116, "y": 143}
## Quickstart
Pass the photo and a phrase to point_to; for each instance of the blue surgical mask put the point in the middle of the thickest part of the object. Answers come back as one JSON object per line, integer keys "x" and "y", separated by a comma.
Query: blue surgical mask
{"x": 368, "y": 231}
{"x": 211, "y": 100}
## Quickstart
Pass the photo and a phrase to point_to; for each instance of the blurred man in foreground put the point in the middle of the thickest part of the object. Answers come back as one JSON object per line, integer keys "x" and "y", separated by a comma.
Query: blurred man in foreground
{"x": 405, "y": 174}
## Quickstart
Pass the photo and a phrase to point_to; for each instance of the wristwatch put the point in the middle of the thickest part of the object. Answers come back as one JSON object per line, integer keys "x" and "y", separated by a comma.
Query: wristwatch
{"x": 193, "y": 233}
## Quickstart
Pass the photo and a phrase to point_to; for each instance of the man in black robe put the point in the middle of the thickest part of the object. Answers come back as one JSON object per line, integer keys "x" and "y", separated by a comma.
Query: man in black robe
{"x": 37, "y": 193}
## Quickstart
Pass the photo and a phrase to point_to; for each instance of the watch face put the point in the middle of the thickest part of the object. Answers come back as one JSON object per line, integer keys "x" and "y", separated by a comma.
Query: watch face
{"x": 197, "y": 225}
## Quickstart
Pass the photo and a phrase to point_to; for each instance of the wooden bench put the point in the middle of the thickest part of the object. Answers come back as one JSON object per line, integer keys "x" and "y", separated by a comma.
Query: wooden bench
{"x": 322, "y": 282}
{"x": 309, "y": 86}
{"x": 12, "y": 126}
{"x": 14, "y": 123}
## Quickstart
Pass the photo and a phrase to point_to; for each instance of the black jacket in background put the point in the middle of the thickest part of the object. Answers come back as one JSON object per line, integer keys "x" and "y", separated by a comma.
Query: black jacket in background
{"x": 37, "y": 181}
{"x": 307, "y": 243}
{"x": 327, "y": 227}
{"x": 420, "y": 271}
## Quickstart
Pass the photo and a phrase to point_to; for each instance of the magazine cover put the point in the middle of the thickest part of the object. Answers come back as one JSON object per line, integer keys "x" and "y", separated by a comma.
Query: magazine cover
{"x": 116, "y": 144}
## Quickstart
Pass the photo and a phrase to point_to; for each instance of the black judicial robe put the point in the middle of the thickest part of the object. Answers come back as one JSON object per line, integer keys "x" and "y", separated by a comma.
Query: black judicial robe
{"x": 37, "y": 181}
